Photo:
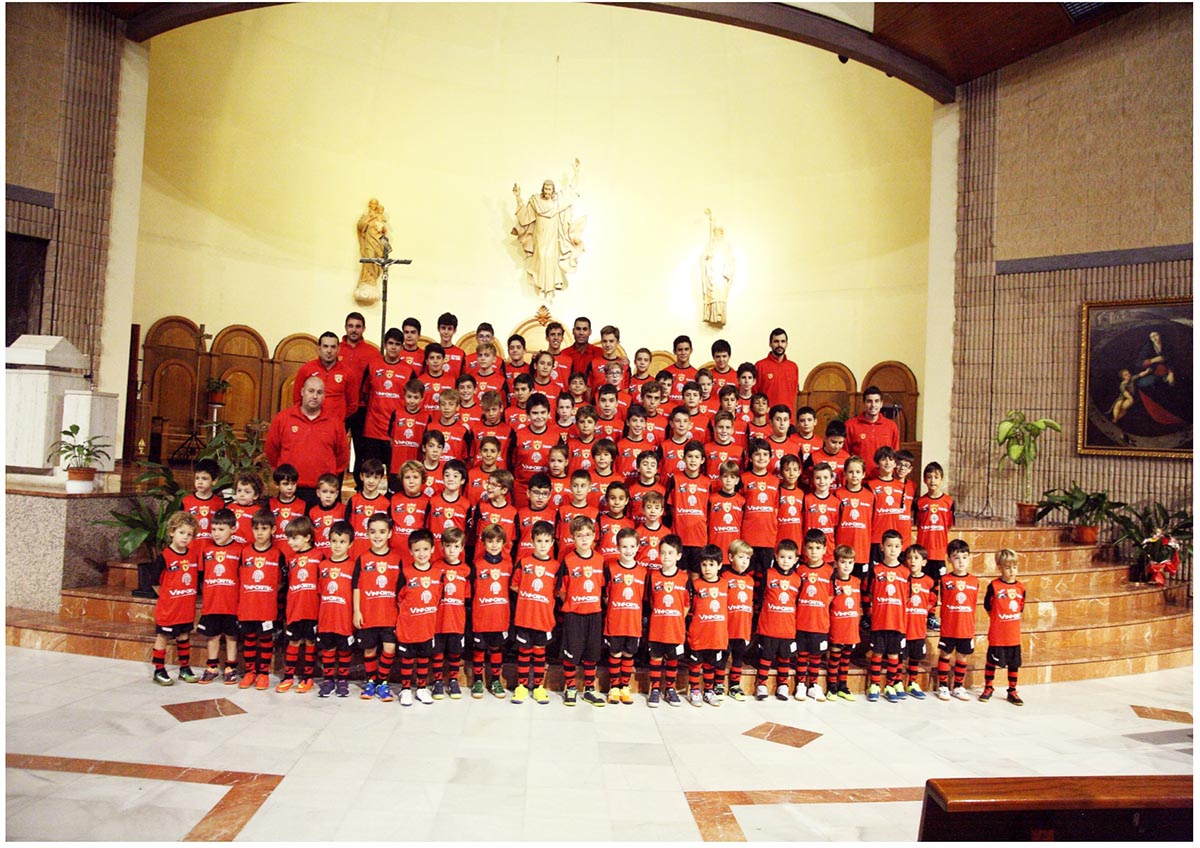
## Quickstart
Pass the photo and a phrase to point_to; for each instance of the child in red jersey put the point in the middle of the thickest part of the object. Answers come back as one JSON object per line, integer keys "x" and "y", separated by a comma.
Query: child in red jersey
{"x": 935, "y": 519}
{"x": 539, "y": 509}
{"x": 449, "y": 507}
{"x": 812, "y": 617}
{"x": 678, "y": 438}
{"x": 920, "y": 601}
{"x": 657, "y": 425}
{"x": 708, "y": 628}
{"x": 889, "y": 500}
{"x": 688, "y": 497}
{"x": 681, "y": 370}
{"x": 698, "y": 420}
{"x": 489, "y": 374}
{"x": 886, "y": 598}
{"x": 728, "y": 399}
{"x": 904, "y": 467}
{"x": 487, "y": 460}
{"x": 626, "y": 580}
{"x": 856, "y": 506}
{"x": 177, "y": 575}
{"x": 725, "y": 508}
{"x": 759, "y": 425}
{"x": 613, "y": 520}
{"x": 1004, "y": 602}
{"x": 516, "y": 414}
{"x": 370, "y": 499}
{"x": 450, "y": 640}
{"x": 535, "y": 582}
{"x": 760, "y": 521}
{"x": 544, "y": 381}
{"x": 577, "y": 387}
{"x": 651, "y": 531}
{"x": 220, "y": 561}
{"x": 634, "y": 443}
{"x": 806, "y": 435}
{"x": 722, "y": 447}
{"x": 300, "y": 614}
{"x": 433, "y": 444}
{"x": 556, "y": 472}
{"x": 791, "y": 500}
{"x": 777, "y": 622}
{"x": 564, "y": 420}
{"x": 845, "y": 614}
{"x": 708, "y": 403}
{"x": 645, "y": 482}
{"x": 604, "y": 452}
{"x": 327, "y": 510}
{"x": 450, "y": 424}
{"x": 722, "y": 371}
{"x": 247, "y": 498}
{"x": 641, "y": 374}
{"x": 438, "y": 381}
{"x": 418, "y": 598}
{"x": 492, "y": 426}
{"x": 831, "y": 451}
{"x": 610, "y": 423}
{"x": 491, "y": 609}
{"x": 959, "y": 596}
{"x": 517, "y": 362}
{"x": 581, "y": 503}
{"x": 669, "y": 598}
{"x": 496, "y": 508}
{"x": 203, "y": 502}
{"x": 373, "y": 587}
{"x": 583, "y": 618}
{"x": 531, "y": 446}
{"x": 781, "y": 438}
{"x": 740, "y": 584}
{"x": 821, "y": 508}
{"x": 410, "y": 507}
{"x": 447, "y": 326}
{"x": 258, "y": 600}
{"x": 285, "y": 505}
{"x": 335, "y": 612}
{"x": 465, "y": 386}
{"x": 581, "y": 442}
{"x": 407, "y": 430}
{"x": 747, "y": 380}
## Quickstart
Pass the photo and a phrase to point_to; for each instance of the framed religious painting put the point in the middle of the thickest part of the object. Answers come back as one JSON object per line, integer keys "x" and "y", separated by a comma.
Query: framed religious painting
{"x": 1135, "y": 378}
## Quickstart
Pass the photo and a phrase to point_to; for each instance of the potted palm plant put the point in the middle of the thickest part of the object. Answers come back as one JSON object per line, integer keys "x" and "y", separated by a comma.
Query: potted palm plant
{"x": 1017, "y": 434}
{"x": 145, "y": 525}
{"x": 79, "y": 457}
{"x": 1085, "y": 510}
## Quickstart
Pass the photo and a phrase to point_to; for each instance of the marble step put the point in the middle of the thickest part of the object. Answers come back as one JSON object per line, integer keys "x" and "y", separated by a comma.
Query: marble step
{"x": 1127, "y": 600}
{"x": 990, "y": 537}
{"x": 121, "y": 574}
{"x": 106, "y": 604}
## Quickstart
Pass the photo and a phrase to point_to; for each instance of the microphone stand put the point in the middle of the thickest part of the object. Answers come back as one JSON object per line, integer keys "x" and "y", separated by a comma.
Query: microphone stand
{"x": 386, "y": 264}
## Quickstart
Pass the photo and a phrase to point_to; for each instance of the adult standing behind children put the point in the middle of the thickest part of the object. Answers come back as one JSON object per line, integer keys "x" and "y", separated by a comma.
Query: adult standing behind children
{"x": 356, "y": 354}
{"x": 307, "y": 437}
{"x": 869, "y": 431}
{"x": 778, "y": 376}
{"x": 341, "y": 387}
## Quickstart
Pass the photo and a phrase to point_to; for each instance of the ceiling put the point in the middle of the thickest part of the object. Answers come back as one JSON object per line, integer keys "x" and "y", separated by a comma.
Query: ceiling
{"x": 932, "y": 46}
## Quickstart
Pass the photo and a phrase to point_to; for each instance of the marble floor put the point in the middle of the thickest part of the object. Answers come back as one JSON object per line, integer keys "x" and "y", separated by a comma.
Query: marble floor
{"x": 94, "y": 753}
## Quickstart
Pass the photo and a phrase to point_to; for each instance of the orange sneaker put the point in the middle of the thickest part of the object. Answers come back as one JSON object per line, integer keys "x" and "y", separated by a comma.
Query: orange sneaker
{"x": 304, "y": 686}
{"x": 285, "y": 684}
{"x": 247, "y": 680}
{"x": 262, "y": 682}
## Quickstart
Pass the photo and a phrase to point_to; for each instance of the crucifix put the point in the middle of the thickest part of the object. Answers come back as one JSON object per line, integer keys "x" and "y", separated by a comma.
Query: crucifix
{"x": 385, "y": 263}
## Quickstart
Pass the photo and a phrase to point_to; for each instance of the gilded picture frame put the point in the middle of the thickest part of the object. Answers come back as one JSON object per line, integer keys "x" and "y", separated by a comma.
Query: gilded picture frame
{"x": 1135, "y": 378}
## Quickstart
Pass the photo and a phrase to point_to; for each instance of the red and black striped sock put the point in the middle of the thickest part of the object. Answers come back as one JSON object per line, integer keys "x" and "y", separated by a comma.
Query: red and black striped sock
{"x": 290, "y": 656}
{"x": 250, "y": 652}
{"x": 844, "y": 671}
{"x": 671, "y": 672}
{"x": 569, "y": 672}
{"x": 589, "y": 675}
{"x": 453, "y": 664}
{"x": 764, "y": 671}
{"x": 184, "y": 649}
{"x": 266, "y": 654}
{"x": 385, "y": 666}
{"x": 538, "y": 671}
{"x": 371, "y": 666}
{"x": 656, "y": 672}
{"x": 626, "y": 671}
{"x": 989, "y": 674}
{"x": 1012, "y": 679}
{"x": 343, "y": 664}
{"x": 524, "y": 661}
{"x": 406, "y": 671}
{"x": 160, "y": 659}
{"x": 693, "y": 675}
{"x": 943, "y": 671}
{"x": 614, "y": 672}
{"x": 213, "y": 663}
{"x": 496, "y": 661}
{"x": 893, "y": 670}
{"x": 833, "y": 663}
{"x": 329, "y": 663}
{"x": 438, "y": 665}
{"x": 876, "y": 668}
{"x": 914, "y": 671}
{"x": 960, "y": 672}
{"x": 735, "y": 675}
{"x": 310, "y": 660}
{"x": 710, "y": 676}
{"x": 477, "y": 660}
{"x": 422, "y": 672}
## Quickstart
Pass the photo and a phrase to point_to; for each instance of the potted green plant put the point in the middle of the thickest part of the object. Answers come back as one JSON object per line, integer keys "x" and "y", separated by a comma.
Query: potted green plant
{"x": 236, "y": 455}
{"x": 216, "y": 390}
{"x": 79, "y": 457}
{"x": 145, "y": 526}
{"x": 1085, "y": 510}
{"x": 1018, "y": 436}
{"x": 1161, "y": 539}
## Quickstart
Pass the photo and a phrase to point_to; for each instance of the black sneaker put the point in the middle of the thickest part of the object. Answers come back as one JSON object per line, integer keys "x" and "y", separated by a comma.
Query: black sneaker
{"x": 1014, "y": 698}
{"x": 162, "y": 678}
{"x": 986, "y": 694}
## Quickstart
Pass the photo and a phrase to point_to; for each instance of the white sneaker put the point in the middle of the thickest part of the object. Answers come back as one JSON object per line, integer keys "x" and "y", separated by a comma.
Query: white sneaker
{"x": 710, "y": 698}
{"x": 961, "y": 693}
{"x": 800, "y": 696}
{"x": 760, "y": 692}
{"x": 783, "y": 692}
{"x": 943, "y": 693}
{"x": 406, "y": 699}
{"x": 816, "y": 692}
{"x": 424, "y": 696}
{"x": 694, "y": 698}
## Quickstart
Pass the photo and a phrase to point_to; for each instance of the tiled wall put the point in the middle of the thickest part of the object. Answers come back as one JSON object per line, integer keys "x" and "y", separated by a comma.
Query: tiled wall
{"x": 73, "y": 214}
{"x": 1017, "y": 336}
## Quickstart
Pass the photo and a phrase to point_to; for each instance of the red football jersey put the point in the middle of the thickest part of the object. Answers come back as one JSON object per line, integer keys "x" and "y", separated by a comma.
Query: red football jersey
{"x": 741, "y": 603}
{"x": 679, "y": 378}
{"x": 243, "y": 533}
{"x": 855, "y": 513}
{"x": 456, "y": 590}
{"x": 611, "y": 428}
{"x": 375, "y": 579}
{"x": 408, "y": 514}
{"x": 777, "y": 618}
{"x": 669, "y": 598}
{"x": 959, "y": 596}
{"x": 648, "y": 542}
{"x": 359, "y": 510}
{"x": 534, "y": 582}
{"x": 528, "y": 517}
{"x": 789, "y": 445}
{"x": 560, "y": 491}
{"x": 921, "y": 601}
{"x": 434, "y": 386}
{"x": 760, "y": 522}
{"x": 284, "y": 513}
{"x": 672, "y": 457}
{"x": 845, "y": 611}
{"x": 1004, "y": 602}
{"x": 688, "y": 499}
{"x": 322, "y": 520}
{"x": 445, "y": 513}
{"x": 341, "y": 387}
{"x": 637, "y": 491}
{"x": 566, "y": 512}
{"x": 202, "y": 510}
{"x": 408, "y": 429}
{"x": 657, "y": 428}
{"x": 302, "y": 596}
{"x": 583, "y": 581}
{"x": 458, "y": 438}
{"x": 887, "y": 590}
{"x": 625, "y": 599}
{"x": 501, "y": 432}
{"x": 259, "y": 576}
{"x": 417, "y": 599}
{"x": 435, "y": 480}
{"x": 890, "y": 502}
{"x": 708, "y": 629}
{"x": 487, "y": 513}
{"x": 455, "y": 358}
{"x": 414, "y": 359}
{"x": 385, "y": 396}
{"x": 491, "y": 610}
{"x": 516, "y": 417}
{"x": 822, "y": 514}
{"x": 791, "y": 515}
{"x": 336, "y": 606}
{"x": 607, "y": 529}
{"x": 812, "y": 602}
{"x": 219, "y": 570}
{"x": 179, "y": 575}
{"x": 494, "y": 382}
{"x": 724, "y": 520}
{"x": 835, "y": 461}
{"x": 935, "y": 519}
{"x": 721, "y": 379}
{"x": 531, "y": 452}
{"x": 579, "y": 453}
{"x": 715, "y": 454}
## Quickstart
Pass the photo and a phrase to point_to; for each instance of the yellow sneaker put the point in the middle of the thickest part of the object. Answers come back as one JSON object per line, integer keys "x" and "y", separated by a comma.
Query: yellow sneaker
{"x": 520, "y": 693}
{"x": 626, "y": 695}
{"x": 540, "y": 695}
{"x": 614, "y": 695}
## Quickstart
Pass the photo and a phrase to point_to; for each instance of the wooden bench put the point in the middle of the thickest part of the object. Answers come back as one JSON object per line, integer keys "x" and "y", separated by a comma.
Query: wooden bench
{"x": 1108, "y": 808}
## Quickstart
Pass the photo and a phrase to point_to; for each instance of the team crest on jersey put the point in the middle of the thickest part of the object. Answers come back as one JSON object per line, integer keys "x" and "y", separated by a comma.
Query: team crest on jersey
{"x": 539, "y": 570}
{"x": 812, "y": 578}
{"x": 295, "y": 429}
{"x": 960, "y": 584}
{"x": 204, "y": 511}
{"x": 337, "y": 378}
{"x": 424, "y": 582}
{"x": 183, "y": 566}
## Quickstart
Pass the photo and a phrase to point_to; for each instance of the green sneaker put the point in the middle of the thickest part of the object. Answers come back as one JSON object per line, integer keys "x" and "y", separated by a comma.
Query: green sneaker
{"x": 477, "y": 689}
{"x": 187, "y": 675}
{"x": 162, "y": 678}
{"x": 498, "y": 689}
{"x": 570, "y": 696}
{"x": 736, "y": 693}
{"x": 846, "y": 695}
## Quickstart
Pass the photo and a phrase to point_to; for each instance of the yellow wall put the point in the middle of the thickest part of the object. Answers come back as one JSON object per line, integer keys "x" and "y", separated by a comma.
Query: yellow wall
{"x": 267, "y": 132}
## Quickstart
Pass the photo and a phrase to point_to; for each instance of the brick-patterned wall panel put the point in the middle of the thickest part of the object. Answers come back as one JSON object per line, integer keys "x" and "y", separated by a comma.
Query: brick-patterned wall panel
{"x": 36, "y": 43}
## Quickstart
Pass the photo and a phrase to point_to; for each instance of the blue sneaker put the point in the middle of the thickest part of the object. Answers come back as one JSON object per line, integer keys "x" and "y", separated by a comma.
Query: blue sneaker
{"x": 326, "y": 688}
{"x": 383, "y": 691}
{"x": 889, "y": 695}
{"x": 899, "y": 689}
{"x": 368, "y": 691}
{"x": 873, "y": 692}
{"x": 916, "y": 691}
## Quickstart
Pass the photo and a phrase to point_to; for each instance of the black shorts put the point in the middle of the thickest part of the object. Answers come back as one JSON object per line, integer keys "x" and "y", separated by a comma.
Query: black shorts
{"x": 737, "y": 650}
{"x": 304, "y": 630}
{"x": 1004, "y": 656}
{"x": 843, "y": 649}
{"x": 772, "y": 648}
{"x": 493, "y": 641}
{"x": 334, "y": 641}
{"x": 623, "y": 645}
{"x": 950, "y": 645}
{"x": 914, "y": 651}
{"x": 527, "y": 638}
{"x": 420, "y": 650}
{"x": 261, "y": 628}
{"x": 450, "y": 643}
{"x": 887, "y": 642}
{"x": 213, "y": 626}
{"x": 811, "y": 643}
{"x": 181, "y": 629}
{"x": 660, "y": 650}
{"x": 370, "y": 638}
{"x": 716, "y": 659}
{"x": 582, "y": 637}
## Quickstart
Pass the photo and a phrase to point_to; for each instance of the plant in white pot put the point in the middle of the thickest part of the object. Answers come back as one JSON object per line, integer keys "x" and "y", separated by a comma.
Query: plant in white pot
{"x": 79, "y": 457}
